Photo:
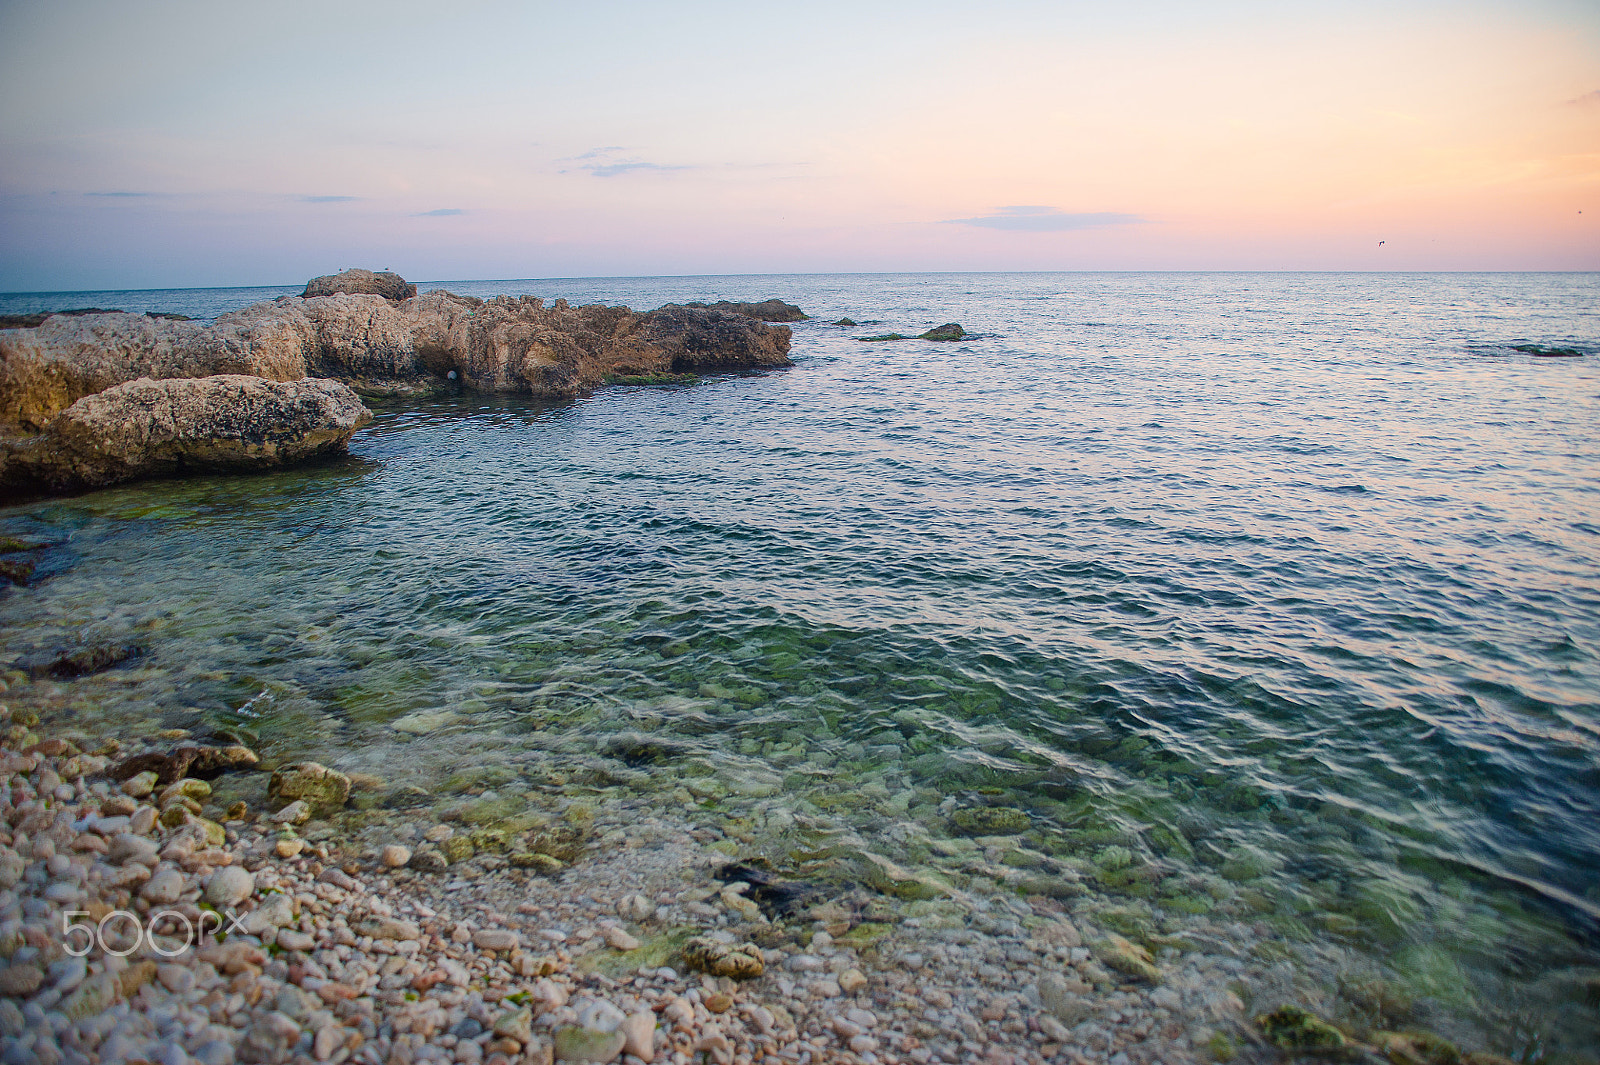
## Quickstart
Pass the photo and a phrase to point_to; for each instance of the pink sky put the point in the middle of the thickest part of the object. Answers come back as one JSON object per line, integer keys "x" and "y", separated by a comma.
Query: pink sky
{"x": 187, "y": 145}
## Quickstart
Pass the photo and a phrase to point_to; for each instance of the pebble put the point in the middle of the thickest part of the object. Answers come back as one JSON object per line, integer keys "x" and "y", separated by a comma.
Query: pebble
{"x": 395, "y": 856}
{"x": 229, "y": 886}
{"x": 619, "y": 939}
{"x": 164, "y": 888}
{"x": 289, "y": 848}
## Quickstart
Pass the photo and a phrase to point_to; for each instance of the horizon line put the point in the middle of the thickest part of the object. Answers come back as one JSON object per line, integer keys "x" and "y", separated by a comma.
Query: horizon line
{"x": 792, "y": 273}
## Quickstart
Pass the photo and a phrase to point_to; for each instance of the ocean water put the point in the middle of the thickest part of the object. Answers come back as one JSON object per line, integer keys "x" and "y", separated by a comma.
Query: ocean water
{"x": 1265, "y": 596}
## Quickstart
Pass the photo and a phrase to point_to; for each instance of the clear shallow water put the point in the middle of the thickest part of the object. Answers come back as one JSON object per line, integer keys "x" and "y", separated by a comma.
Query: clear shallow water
{"x": 1284, "y": 583}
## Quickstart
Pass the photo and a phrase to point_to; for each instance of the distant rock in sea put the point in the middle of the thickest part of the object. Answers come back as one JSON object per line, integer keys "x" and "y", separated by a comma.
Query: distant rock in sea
{"x": 360, "y": 282}
{"x": 773, "y": 310}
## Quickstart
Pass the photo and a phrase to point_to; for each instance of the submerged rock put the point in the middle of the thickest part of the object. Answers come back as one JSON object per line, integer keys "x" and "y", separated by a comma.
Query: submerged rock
{"x": 390, "y": 286}
{"x": 990, "y": 821}
{"x": 1294, "y": 1028}
{"x": 148, "y": 428}
{"x": 1543, "y": 352}
{"x": 321, "y": 788}
{"x": 948, "y": 331}
{"x": 189, "y": 760}
{"x": 742, "y": 962}
{"x": 85, "y": 660}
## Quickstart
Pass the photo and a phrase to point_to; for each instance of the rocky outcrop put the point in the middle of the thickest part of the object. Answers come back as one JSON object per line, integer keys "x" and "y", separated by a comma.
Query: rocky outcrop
{"x": 379, "y": 347}
{"x": 360, "y": 282}
{"x": 773, "y": 310}
{"x": 44, "y": 371}
{"x": 148, "y": 428}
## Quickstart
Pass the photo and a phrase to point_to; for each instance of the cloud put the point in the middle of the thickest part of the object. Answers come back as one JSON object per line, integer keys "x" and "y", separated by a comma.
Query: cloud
{"x": 602, "y": 162}
{"x": 123, "y": 195}
{"x": 613, "y": 169}
{"x": 441, "y": 212}
{"x": 1588, "y": 99}
{"x": 328, "y": 199}
{"x": 1036, "y": 219}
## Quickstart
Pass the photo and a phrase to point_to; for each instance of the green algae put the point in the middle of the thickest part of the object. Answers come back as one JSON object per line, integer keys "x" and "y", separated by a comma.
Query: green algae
{"x": 1295, "y": 1028}
{"x": 990, "y": 821}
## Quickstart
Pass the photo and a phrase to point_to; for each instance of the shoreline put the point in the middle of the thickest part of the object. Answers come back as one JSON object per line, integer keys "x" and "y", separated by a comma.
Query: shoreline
{"x": 491, "y": 955}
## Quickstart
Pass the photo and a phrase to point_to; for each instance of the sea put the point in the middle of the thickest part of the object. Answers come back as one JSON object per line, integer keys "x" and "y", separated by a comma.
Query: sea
{"x": 1266, "y": 595}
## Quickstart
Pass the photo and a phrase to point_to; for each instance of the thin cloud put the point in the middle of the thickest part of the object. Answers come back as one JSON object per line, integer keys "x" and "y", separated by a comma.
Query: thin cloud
{"x": 1039, "y": 219}
{"x": 603, "y": 163}
{"x": 442, "y": 212}
{"x": 123, "y": 195}
{"x": 328, "y": 199}
{"x": 1588, "y": 99}
{"x": 613, "y": 169}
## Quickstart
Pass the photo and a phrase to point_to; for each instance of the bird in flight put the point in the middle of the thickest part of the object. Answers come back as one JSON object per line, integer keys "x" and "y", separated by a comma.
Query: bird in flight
{"x": 1380, "y": 243}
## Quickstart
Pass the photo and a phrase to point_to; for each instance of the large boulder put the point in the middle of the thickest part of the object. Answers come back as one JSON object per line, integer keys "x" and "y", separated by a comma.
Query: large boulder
{"x": 360, "y": 282}
{"x": 150, "y": 428}
{"x": 45, "y": 370}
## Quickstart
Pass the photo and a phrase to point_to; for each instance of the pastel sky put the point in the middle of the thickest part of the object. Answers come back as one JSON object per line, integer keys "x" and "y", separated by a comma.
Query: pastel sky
{"x": 177, "y": 144}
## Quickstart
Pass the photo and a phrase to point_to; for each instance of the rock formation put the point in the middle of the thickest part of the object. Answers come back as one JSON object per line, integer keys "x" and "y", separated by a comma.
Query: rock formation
{"x": 773, "y": 310}
{"x": 360, "y": 282}
{"x": 98, "y": 398}
{"x": 379, "y": 347}
{"x": 147, "y": 428}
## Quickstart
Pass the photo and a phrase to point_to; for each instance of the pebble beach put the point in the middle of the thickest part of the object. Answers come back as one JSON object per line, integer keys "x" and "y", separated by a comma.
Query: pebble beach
{"x": 416, "y": 939}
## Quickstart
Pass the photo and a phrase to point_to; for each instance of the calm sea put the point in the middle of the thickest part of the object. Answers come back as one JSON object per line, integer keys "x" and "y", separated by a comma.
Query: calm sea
{"x": 1288, "y": 584}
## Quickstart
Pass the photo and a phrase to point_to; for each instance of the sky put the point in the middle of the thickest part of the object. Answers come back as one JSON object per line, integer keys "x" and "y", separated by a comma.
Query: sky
{"x": 147, "y": 145}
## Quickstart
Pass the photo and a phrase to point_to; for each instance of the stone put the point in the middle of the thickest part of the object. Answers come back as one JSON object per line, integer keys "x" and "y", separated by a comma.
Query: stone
{"x": 229, "y": 886}
{"x": 390, "y": 286}
{"x": 1294, "y": 1028}
{"x": 178, "y": 979}
{"x": 948, "y": 331}
{"x": 851, "y": 981}
{"x": 395, "y": 856}
{"x": 428, "y": 860}
{"x": 140, "y": 784}
{"x": 275, "y": 910}
{"x": 619, "y": 939}
{"x": 496, "y": 939}
{"x": 1127, "y": 958}
{"x": 328, "y": 1038}
{"x": 90, "y": 998}
{"x": 80, "y": 661}
{"x": 388, "y": 928}
{"x": 164, "y": 888}
{"x": 290, "y": 848}
{"x": 639, "y": 1034}
{"x": 573, "y": 1043}
{"x": 187, "y": 760}
{"x": 517, "y": 1025}
{"x": 20, "y": 980}
{"x": 131, "y": 847}
{"x": 296, "y": 813}
{"x": 289, "y": 939}
{"x": 742, "y": 962}
{"x": 990, "y": 821}
{"x": 321, "y": 788}
{"x": 772, "y": 310}
{"x": 147, "y": 428}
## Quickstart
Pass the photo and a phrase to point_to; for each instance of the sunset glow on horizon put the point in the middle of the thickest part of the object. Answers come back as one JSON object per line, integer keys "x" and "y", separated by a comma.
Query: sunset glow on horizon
{"x": 187, "y": 144}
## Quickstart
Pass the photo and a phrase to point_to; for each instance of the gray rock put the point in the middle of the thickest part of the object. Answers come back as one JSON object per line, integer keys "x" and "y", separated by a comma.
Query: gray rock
{"x": 229, "y": 886}
{"x": 164, "y": 888}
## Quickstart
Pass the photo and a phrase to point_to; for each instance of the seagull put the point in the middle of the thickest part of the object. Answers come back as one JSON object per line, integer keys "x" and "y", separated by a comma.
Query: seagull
{"x": 1380, "y": 243}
